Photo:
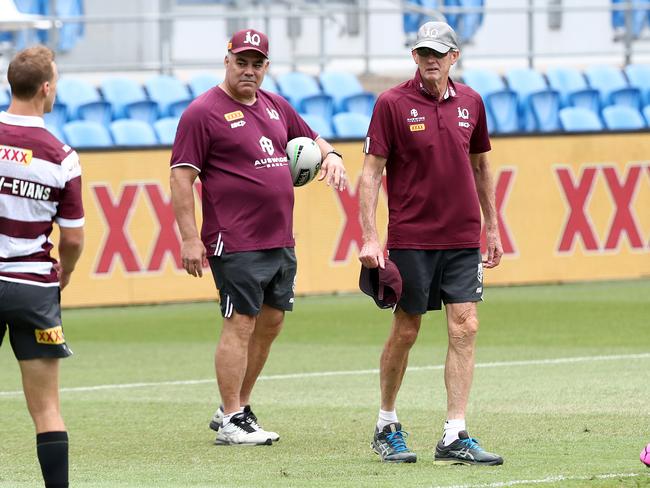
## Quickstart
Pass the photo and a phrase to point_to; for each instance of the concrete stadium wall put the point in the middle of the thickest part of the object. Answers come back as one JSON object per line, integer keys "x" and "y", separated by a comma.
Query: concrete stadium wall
{"x": 570, "y": 208}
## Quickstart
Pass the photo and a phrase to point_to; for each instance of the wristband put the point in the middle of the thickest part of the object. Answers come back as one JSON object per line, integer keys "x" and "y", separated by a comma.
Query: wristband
{"x": 334, "y": 152}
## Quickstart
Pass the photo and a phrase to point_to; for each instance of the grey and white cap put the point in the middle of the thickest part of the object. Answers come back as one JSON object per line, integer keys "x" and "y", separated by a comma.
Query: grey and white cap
{"x": 438, "y": 36}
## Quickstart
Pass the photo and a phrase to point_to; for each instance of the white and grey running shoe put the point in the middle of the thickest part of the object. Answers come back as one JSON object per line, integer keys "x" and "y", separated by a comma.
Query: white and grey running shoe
{"x": 217, "y": 421}
{"x": 242, "y": 431}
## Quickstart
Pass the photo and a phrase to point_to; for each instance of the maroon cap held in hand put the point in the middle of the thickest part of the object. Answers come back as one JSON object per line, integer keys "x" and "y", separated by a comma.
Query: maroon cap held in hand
{"x": 383, "y": 285}
{"x": 249, "y": 40}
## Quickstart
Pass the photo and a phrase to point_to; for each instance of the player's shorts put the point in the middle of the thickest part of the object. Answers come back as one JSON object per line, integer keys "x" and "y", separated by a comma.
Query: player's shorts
{"x": 248, "y": 279}
{"x": 32, "y": 314}
{"x": 433, "y": 277}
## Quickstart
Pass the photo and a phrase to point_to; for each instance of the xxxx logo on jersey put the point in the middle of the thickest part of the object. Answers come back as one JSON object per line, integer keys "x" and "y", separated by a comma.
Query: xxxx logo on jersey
{"x": 53, "y": 335}
{"x": 230, "y": 116}
{"x": 15, "y": 154}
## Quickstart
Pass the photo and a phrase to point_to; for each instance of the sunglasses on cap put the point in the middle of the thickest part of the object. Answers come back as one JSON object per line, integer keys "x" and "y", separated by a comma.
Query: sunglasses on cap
{"x": 425, "y": 52}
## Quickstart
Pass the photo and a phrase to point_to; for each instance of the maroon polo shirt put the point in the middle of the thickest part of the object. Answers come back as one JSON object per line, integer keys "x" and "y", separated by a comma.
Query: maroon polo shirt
{"x": 432, "y": 198}
{"x": 239, "y": 151}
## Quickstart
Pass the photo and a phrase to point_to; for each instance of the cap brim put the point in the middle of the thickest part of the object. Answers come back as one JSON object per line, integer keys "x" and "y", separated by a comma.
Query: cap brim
{"x": 436, "y": 46}
{"x": 243, "y": 49}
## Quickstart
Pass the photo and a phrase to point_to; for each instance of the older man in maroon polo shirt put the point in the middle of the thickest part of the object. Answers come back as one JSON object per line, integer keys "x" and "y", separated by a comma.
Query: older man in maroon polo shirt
{"x": 430, "y": 134}
{"x": 233, "y": 137}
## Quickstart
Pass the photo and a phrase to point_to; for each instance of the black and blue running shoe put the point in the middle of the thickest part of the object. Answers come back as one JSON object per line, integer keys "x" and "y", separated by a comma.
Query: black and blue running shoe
{"x": 465, "y": 450}
{"x": 390, "y": 444}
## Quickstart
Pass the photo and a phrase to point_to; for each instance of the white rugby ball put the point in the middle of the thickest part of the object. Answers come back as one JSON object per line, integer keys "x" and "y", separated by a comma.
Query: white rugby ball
{"x": 304, "y": 160}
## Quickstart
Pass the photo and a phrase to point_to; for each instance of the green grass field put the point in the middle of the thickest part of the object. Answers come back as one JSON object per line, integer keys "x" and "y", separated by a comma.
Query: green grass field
{"x": 561, "y": 390}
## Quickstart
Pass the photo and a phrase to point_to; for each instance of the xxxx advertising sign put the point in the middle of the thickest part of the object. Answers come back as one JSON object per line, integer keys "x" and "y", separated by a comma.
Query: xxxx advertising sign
{"x": 570, "y": 208}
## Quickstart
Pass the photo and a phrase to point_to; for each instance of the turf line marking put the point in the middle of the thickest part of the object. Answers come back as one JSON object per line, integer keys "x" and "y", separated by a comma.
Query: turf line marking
{"x": 324, "y": 374}
{"x": 550, "y": 479}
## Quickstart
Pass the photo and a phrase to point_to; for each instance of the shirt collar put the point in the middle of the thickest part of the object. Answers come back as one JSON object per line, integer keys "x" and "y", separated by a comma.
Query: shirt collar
{"x": 22, "y": 120}
{"x": 450, "y": 92}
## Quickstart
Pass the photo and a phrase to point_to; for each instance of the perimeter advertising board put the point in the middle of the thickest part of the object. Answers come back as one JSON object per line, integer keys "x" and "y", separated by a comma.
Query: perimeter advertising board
{"x": 570, "y": 208}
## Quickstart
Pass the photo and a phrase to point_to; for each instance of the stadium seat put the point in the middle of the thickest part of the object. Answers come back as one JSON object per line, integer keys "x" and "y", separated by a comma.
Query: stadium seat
{"x": 58, "y": 116}
{"x": 304, "y": 94}
{"x": 538, "y": 104}
{"x": 86, "y": 133}
{"x": 467, "y": 23}
{"x": 83, "y": 101}
{"x": 166, "y": 129}
{"x": 499, "y": 100}
{"x": 646, "y": 114}
{"x": 347, "y": 92}
{"x": 130, "y": 132}
{"x": 573, "y": 88}
{"x": 613, "y": 87}
{"x": 202, "y": 83}
{"x": 5, "y": 99}
{"x": 270, "y": 85}
{"x": 351, "y": 125}
{"x": 128, "y": 99}
{"x": 170, "y": 93}
{"x": 621, "y": 117}
{"x": 638, "y": 20}
{"x": 579, "y": 119}
{"x": 639, "y": 77}
{"x": 319, "y": 125}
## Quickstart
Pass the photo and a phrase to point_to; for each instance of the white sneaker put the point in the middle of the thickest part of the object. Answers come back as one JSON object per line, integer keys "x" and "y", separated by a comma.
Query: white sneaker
{"x": 242, "y": 431}
{"x": 217, "y": 421}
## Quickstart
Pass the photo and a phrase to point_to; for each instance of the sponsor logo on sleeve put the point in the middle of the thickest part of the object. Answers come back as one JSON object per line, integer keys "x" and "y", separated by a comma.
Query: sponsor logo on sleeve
{"x": 15, "y": 155}
{"x": 53, "y": 336}
{"x": 236, "y": 115}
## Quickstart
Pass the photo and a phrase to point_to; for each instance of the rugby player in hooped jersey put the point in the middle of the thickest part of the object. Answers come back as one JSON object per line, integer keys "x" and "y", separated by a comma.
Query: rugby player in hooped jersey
{"x": 40, "y": 184}
{"x": 431, "y": 136}
{"x": 233, "y": 137}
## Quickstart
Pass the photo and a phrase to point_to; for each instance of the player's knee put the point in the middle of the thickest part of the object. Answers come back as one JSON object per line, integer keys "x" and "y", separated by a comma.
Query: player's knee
{"x": 463, "y": 329}
{"x": 407, "y": 335}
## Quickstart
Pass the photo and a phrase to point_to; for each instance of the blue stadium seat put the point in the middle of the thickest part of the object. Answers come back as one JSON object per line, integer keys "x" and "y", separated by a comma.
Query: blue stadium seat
{"x": 5, "y": 99}
{"x": 538, "y": 104}
{"x": 305, "y": 95}
{"x": 613, "y": 87}
{"x": 166, "y": 129}
{"x": 319, "y": 124}
{"x": 621, "y": 117}
{"x": 170, "y": 93}
{"x": 131, "y": 132}
{"x": 639, "y": 77}
{"x": 465, "y": 24}
{"x": 573, "y": 88}
{"x": 579, "y": 119}
{"x": 646, "y": 114}
{"x": 347, "y": 92}
{"x": 500, "y": 101}
{"x": 58, "y": 116}
{"x": 85, "y": 133}
{"x": 201, "y": 83}
{"x": 639, "y": 18}
{"x": 351, "y": 125}
{"x": 129, "y": 100}
{"x": 83, "y": 100}
{"x": 270, "y": 85}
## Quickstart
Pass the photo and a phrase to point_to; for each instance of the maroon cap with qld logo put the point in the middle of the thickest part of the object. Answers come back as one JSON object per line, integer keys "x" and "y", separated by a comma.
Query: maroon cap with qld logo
{"x": 249, "y": 40}
{"x": 383, "y": 285}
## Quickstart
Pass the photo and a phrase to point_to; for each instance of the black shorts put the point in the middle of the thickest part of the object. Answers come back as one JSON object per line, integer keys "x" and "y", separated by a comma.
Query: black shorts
{"x": 433, "y": 277}
{"x": 248, "y": 279}
{"x": 33, "y": 316}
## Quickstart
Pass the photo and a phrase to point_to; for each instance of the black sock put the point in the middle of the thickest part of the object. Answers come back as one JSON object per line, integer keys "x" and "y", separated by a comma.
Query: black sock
{"x": 52, "y": 450}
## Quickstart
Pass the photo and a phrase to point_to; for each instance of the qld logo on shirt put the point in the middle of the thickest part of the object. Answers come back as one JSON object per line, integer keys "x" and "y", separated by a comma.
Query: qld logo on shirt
{"x": 15, "y": 155}
{"x": 463, "y": 113}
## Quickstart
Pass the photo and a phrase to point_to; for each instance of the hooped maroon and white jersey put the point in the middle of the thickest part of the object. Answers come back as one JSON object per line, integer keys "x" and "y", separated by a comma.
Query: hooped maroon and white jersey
{"x": 239, "y": 152}
{"x": 40, "y": 183}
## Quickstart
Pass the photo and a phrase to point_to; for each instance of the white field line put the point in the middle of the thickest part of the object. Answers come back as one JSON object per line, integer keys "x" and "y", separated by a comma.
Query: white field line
{"x": 358, "y": 372}
{"x": 550, "y": 479}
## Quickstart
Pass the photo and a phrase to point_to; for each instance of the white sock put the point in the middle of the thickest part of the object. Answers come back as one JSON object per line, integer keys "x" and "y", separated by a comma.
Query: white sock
{"x": 452, "y": 428}
{"x": 386, "y": 417}
{"x": 226, "y": 418}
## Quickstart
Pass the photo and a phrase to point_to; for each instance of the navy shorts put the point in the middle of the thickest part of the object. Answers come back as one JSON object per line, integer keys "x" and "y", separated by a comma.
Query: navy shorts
{"x": 32, "y": 314}
{"x": 248, "y": 279}
{"x": 433, "y": 277}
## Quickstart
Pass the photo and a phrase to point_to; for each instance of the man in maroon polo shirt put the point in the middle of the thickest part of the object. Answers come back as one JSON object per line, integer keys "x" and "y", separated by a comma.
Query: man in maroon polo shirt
{"x": 430, "y": 134}
{"x": 233, "y": 137}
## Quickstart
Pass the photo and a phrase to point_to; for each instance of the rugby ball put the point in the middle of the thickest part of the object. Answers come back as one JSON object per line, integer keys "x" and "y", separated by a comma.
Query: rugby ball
{"x": 304, "y": 160}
